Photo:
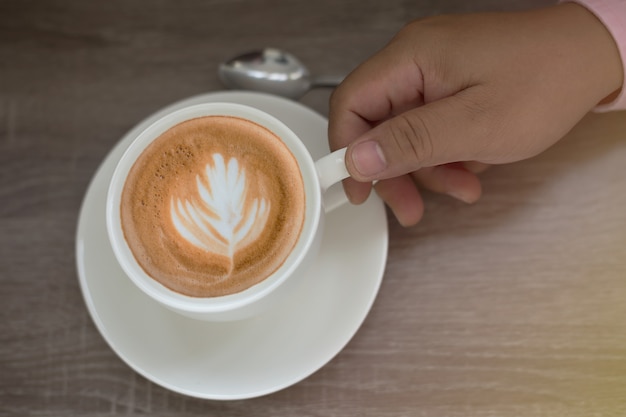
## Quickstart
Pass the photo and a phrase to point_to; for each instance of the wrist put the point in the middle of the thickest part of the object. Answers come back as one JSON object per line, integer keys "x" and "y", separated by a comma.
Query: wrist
{"x": 604, "y": 23}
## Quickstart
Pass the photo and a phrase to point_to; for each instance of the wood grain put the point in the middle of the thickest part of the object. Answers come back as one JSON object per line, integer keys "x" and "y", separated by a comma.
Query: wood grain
{"x": 514, "y": 306}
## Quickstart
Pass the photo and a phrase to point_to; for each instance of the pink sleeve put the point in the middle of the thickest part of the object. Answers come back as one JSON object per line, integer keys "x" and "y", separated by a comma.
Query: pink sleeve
{"x": 612, "y": 13}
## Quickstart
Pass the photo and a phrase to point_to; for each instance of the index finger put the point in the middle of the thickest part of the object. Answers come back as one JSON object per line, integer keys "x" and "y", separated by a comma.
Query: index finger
{"x": 383, "y": 86}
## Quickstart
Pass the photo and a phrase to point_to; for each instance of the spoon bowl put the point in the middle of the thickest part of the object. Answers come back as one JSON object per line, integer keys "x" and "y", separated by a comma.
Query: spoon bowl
{"x": 271, "y": 71}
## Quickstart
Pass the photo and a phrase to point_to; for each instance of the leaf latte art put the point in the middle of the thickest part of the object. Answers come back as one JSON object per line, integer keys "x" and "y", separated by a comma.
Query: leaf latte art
{"x": 218, "y": 219}
{"x": 213, "y": 206}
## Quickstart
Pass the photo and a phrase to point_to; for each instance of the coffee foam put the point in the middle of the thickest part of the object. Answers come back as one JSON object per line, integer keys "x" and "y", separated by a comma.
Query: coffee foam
{"x": 213, "y": 206}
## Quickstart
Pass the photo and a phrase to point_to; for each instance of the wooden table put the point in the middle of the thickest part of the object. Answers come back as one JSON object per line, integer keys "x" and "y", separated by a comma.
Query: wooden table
{"x": 514, "y": 306}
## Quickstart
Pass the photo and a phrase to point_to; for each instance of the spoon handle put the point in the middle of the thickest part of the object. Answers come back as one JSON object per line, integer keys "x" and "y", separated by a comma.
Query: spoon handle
{"x": 326, "y": 82}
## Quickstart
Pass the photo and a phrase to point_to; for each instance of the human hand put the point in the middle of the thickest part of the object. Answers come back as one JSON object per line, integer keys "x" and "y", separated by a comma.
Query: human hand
{"x": 488, "y": 88}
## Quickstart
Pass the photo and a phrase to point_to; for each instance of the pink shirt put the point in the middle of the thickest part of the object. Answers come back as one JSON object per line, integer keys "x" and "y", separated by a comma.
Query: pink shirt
{"x": 613, "y": 14}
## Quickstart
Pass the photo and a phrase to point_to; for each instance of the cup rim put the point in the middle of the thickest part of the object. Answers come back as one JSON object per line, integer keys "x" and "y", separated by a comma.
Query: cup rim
{"x": 255, "y": 293}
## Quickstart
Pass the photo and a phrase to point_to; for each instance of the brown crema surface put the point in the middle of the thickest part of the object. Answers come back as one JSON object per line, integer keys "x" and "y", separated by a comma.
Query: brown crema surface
{"x": 169, "y": 170}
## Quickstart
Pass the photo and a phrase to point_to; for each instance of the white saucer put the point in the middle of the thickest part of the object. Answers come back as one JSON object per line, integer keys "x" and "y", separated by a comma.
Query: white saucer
{"x": 248, "y": 358}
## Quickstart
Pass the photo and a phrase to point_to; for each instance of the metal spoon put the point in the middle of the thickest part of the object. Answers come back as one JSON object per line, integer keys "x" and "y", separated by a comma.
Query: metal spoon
{"x": 272, "y": 71}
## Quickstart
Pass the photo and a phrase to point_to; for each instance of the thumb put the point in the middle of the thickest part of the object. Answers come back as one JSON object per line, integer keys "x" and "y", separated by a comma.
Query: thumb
{"x": 440, "y": 132}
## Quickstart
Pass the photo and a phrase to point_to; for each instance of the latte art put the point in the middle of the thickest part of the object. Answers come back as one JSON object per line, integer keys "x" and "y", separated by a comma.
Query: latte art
{"x": 218, "y": 219}
{"x": 213, "y": 206}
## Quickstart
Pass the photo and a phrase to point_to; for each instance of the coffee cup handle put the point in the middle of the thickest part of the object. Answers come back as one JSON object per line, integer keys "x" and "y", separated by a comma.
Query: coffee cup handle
{"x": 331, "y": 169}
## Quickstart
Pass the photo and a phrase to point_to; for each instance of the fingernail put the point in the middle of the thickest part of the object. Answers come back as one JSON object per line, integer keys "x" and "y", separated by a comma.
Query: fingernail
{"x": 368, "y": 158}
{"x": 462, "y": 196}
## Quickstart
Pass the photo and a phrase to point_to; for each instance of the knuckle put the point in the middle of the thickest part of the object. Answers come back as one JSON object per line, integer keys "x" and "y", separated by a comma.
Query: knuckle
{"x": 412, "y": 139}
{"x": 337, "y": 100}
{"x": 335, "y": 97}
{"x": 342, "y": 97}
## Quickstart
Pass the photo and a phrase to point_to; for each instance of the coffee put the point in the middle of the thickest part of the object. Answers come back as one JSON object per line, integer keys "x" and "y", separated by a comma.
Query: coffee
{"x": 213, "y": 206}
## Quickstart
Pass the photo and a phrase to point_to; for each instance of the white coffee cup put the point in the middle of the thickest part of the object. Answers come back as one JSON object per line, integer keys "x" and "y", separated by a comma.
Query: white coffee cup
{"x": 318, "y": 176}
